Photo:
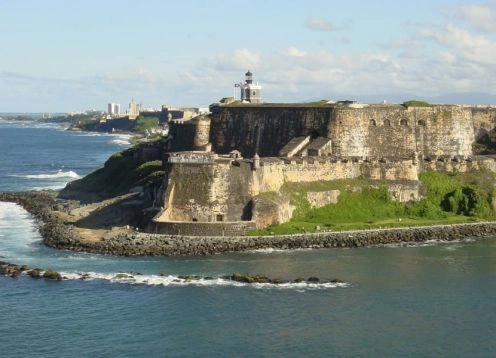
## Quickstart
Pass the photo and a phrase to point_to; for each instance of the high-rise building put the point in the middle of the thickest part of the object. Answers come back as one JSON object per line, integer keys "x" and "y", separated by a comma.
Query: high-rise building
{"x": 114, "y": 108}
{"x": 134, "y": 110}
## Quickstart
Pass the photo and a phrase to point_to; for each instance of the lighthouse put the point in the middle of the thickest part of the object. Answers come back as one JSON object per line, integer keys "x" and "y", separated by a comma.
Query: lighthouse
{"x": 250, "y": 92}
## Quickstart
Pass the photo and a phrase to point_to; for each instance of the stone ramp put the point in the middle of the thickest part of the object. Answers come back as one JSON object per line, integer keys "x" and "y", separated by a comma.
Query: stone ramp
{"x": 294, "y": 146}
{"x": 303, "y": 146}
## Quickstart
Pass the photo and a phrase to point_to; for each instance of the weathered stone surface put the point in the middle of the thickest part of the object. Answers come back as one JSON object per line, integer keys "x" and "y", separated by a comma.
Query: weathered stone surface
{"x": 35, "y": 273}
{"x": 375, "y": 130}
{"x": 137, "y": 244}
{"x": 52, "y": 275}
{"x": 318, "y": 199}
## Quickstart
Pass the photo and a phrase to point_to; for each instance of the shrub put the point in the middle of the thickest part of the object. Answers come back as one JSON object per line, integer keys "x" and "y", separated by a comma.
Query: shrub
{"x": 145, "y": 123}
{"x": 468, "y": 201}
{"x": 416, "y": 103}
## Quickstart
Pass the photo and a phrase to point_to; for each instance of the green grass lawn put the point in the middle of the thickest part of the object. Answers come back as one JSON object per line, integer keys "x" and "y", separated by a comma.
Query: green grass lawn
{"x": 362, "y": 204}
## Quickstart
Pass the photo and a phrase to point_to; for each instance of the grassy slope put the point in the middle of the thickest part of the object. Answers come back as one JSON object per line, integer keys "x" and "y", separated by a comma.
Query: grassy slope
{"x": 121, "y": 172}
{"x": 145, "y": 123}
{"x": 372, "y": 207}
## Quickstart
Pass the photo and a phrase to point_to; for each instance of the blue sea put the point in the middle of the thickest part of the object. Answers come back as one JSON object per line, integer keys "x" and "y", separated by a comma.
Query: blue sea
{"x": 430, "y": 300}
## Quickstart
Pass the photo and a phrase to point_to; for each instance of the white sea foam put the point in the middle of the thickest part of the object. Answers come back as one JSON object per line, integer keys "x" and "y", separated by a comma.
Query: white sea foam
{"x": 57, "y": 175}
{"x": 48, "y": 187}
{"x": 272, "y": 250}
{"x": 426, "y": 243}
{"x": 89, "y": 134}
{"x": 173, "y": 280}
{"x": 120, "y": 141}
{"x": 266, "y": 251}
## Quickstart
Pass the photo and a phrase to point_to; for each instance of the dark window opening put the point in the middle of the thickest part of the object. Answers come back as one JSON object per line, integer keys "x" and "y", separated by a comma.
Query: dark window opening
{"x": 387, "y": 122}
{"x": 220, "y": 217}
{"x": 372, "y": 122}
{"x": 421, "y": 122}
{"x": 195, "y": 219}
{"x": 403, "y": 122}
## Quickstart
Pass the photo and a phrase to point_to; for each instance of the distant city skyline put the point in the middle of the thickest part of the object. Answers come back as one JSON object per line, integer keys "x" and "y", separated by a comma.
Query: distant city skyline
{"x": 59, "y": 56}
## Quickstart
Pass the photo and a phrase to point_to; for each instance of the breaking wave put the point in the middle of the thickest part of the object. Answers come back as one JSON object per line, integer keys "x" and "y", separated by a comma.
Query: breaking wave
{"x": 173, "y": 280}
{"x": 121, "y": 141}
{"x": 48, "y": 187}
{"x": 57, "y": 175}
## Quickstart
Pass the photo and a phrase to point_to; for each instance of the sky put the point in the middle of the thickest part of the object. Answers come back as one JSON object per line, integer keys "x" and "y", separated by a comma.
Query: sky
{"x": 82, "y": 54}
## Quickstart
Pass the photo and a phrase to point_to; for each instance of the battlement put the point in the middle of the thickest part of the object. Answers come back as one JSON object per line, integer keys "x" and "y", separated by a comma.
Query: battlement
{"x": 191, "y": 157}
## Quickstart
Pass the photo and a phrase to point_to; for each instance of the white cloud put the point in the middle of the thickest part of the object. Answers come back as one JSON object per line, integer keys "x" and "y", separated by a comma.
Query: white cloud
{"x": 430, "y": 61}
{"x": 318, "y": 23}
{"x": 238, "y": 60}
{"x": 294, "y": 52}
{"x": 292, "y": 74}
{"x": 474, "y": 48}
{"x": 481, "y": 17}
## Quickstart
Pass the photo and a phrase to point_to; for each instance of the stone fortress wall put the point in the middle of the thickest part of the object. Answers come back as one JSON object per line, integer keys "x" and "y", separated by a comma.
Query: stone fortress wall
{"x": 211, "y": 189}
{"x": 373, "y": 130}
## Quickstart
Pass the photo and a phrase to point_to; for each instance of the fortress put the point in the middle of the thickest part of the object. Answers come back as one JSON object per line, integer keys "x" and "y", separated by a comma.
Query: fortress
{"x": 217, "y": 165}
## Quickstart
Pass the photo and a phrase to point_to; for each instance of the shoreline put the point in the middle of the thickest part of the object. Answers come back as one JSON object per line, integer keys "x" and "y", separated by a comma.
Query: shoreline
{"x": 61, "y": 233}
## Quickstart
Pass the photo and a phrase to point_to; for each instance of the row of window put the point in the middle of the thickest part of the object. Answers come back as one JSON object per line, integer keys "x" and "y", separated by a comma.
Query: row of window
{"x": 403, "y": 122}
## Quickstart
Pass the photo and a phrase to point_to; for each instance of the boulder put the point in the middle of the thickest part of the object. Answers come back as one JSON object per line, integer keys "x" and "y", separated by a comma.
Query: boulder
{"x": 35, "y": 273}
{"x": 52, "y": 275}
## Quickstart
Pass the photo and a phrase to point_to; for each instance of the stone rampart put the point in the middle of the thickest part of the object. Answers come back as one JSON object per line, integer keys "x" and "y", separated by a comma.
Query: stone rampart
{"x": 450, "y": 165}
{"x": 223, "y": 190}
{"x": 238, "y": 127}
{"x": 370, "y": 131}
{"x": 395, "y": 130}
{"x": 274, "y": 172}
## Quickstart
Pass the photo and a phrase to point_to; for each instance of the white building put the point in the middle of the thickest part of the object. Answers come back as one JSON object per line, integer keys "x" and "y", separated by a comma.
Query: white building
{"x": 250, "y": 92}
{"x": 114, "y": 108}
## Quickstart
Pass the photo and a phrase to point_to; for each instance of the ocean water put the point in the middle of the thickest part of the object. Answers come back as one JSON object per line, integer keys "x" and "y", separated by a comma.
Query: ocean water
{"x": 436, "y": 299}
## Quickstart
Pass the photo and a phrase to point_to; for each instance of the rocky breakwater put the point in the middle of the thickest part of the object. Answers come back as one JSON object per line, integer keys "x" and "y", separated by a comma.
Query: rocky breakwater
{"x": 43, "y": 205}
{"x": 60, "y": 234}
{"x": 14, "y": 271}
{"x": 134, "y": 244}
